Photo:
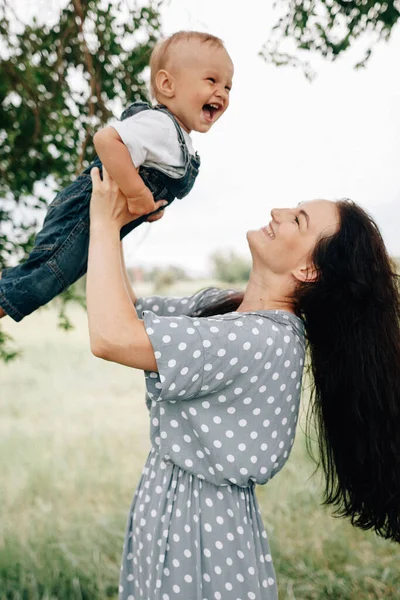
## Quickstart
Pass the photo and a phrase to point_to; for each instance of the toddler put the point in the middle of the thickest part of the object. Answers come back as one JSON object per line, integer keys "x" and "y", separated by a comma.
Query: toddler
{"x": 149, "y": 153}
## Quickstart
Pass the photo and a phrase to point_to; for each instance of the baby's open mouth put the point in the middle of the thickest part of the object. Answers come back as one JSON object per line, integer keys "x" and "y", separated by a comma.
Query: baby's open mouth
{"x": 210, "y": 110}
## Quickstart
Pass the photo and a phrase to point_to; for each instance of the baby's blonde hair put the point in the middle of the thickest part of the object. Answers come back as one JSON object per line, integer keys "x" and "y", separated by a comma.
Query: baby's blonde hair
{"x": 162, "y": 51}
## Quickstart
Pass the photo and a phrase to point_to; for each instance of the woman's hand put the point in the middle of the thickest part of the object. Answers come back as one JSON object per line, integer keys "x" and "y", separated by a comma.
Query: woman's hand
{"x": 108, "y": 205}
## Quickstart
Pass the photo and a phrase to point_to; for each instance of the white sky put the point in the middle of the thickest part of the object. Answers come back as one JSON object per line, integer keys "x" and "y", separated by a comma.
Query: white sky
{"x": 282, "y": 140}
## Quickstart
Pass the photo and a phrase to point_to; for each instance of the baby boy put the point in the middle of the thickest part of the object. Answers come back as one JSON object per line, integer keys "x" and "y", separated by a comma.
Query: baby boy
{"x": 149, "y": 153}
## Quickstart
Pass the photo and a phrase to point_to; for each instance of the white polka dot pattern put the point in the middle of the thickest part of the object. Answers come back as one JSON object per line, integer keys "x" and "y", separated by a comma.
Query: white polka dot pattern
{"x": 208, "y": 396}
{"x": 189, "y": 539}
{"x": 223, "y": 412}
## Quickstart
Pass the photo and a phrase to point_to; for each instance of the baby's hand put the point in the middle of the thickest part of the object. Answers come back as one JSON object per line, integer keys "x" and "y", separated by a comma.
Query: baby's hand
{"x": 142, "y": 204}
{"x": 157, "y": 215}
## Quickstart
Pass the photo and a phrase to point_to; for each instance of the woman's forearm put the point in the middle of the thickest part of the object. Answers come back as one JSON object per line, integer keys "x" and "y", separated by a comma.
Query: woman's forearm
{"x": 128, "y": 284}
{"x": 111, "y": 313}
{"x": 116, "y": 333}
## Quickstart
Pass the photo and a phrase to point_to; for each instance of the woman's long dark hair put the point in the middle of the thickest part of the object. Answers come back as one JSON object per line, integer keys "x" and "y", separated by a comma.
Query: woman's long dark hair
{"x": 351, "y": 315}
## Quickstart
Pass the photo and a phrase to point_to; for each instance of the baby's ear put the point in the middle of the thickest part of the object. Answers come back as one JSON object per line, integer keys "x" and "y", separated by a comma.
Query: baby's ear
{"x": 165, "y": 84}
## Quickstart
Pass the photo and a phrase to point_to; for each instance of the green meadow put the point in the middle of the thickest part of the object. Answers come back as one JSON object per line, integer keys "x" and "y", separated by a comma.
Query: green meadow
{"x": 74, "y": 437}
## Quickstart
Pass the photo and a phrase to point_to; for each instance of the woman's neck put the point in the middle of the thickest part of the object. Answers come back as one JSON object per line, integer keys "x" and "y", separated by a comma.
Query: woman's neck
{"x": 261, "y": 295}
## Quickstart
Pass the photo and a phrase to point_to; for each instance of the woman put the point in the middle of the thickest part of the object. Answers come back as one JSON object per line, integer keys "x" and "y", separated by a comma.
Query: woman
{"x": 223, "y": 377}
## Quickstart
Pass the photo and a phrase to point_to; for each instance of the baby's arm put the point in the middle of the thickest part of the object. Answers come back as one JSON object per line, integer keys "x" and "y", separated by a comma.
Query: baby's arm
{"x": 116, "y": 158}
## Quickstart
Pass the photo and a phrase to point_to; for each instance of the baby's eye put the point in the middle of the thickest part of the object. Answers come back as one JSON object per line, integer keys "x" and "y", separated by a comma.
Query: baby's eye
{"x": 296, "y": 220}
{"x": 211, "y": 79}
{"x": 228, "y": 89}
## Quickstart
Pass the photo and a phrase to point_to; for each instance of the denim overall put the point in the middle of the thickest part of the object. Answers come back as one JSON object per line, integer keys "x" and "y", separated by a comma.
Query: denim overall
{"x": 59, "y": 256}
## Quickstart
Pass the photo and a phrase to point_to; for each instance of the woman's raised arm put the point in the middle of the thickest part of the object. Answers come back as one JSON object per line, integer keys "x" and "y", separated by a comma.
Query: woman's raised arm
{"x": 116, "y": 332}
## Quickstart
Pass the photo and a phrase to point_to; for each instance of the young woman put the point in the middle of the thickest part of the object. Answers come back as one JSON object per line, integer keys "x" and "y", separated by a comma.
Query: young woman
{"x": 223, "y": 377}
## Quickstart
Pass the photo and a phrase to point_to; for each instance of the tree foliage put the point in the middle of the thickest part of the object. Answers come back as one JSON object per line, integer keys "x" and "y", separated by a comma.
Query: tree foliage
{"x": 329, "y": 28}
{"x": 163, "y": 277}
{"x": 59, "y": 83}
{"x": 230, "y": 267}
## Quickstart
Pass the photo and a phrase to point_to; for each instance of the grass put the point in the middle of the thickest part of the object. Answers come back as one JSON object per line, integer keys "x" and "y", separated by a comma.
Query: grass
{"x": 74, "y": 437}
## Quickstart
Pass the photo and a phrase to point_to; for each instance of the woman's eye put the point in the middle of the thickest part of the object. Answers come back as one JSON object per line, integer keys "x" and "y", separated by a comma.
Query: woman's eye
{"x": 211, "y": 79}
{"x": 296, "y": 220}
{"x": 228, "y": 89}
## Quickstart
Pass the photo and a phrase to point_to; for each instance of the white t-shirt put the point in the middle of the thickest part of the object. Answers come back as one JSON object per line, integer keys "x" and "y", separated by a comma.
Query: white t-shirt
{"x": 152, "y": 141}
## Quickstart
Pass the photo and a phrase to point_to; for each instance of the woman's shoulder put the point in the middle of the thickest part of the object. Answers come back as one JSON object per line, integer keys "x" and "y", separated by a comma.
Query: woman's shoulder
{"x": 279, "y": 320}
{"x": 265, "y": 330}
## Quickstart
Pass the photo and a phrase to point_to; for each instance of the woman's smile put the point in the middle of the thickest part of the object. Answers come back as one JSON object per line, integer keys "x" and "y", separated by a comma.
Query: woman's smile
{"x": 267, "y": 229}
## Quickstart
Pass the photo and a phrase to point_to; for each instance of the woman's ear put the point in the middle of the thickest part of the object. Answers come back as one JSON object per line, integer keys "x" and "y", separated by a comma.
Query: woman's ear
{"x": 305, "y": 273}
{"x": 165, "y": 83}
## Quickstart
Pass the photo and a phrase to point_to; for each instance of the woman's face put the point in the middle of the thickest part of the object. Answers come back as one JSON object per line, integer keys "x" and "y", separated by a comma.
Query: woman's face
{"x": 285, "y": 244}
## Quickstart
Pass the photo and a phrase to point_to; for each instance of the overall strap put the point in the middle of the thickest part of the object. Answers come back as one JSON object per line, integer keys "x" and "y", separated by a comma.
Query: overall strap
{"x": 181, "y": 139}
{"x": 139, "y": 106}
{"x": 134, "y": 109}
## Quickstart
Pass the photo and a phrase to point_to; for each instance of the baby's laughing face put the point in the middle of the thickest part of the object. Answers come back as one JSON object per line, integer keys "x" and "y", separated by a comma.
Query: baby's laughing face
{"x": 202, "y": 79}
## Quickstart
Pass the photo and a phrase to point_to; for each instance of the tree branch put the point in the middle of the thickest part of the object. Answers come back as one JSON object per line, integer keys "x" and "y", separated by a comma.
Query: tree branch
{"x": 89, "y": 64}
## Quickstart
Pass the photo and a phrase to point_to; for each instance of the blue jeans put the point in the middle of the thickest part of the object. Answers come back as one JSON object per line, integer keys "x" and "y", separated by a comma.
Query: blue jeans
{"x": 60, "y": 253}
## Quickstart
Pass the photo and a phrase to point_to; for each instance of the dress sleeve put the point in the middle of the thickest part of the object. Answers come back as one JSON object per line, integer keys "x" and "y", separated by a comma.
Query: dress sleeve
{"x": 200, "y": 356}
{"x": 176, "y": 306}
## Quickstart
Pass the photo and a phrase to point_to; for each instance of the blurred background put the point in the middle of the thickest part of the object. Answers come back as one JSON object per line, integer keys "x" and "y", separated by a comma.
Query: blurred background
{"x": 73, "y": 429}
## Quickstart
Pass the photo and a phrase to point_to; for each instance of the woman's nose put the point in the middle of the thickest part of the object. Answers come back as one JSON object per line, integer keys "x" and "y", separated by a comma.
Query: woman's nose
{"x": 281, "y": 214}
{"x": 275, "y": 214}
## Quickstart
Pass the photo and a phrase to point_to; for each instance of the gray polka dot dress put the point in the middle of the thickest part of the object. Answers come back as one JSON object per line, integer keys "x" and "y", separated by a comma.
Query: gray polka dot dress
{"x": 223, "y": 411}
